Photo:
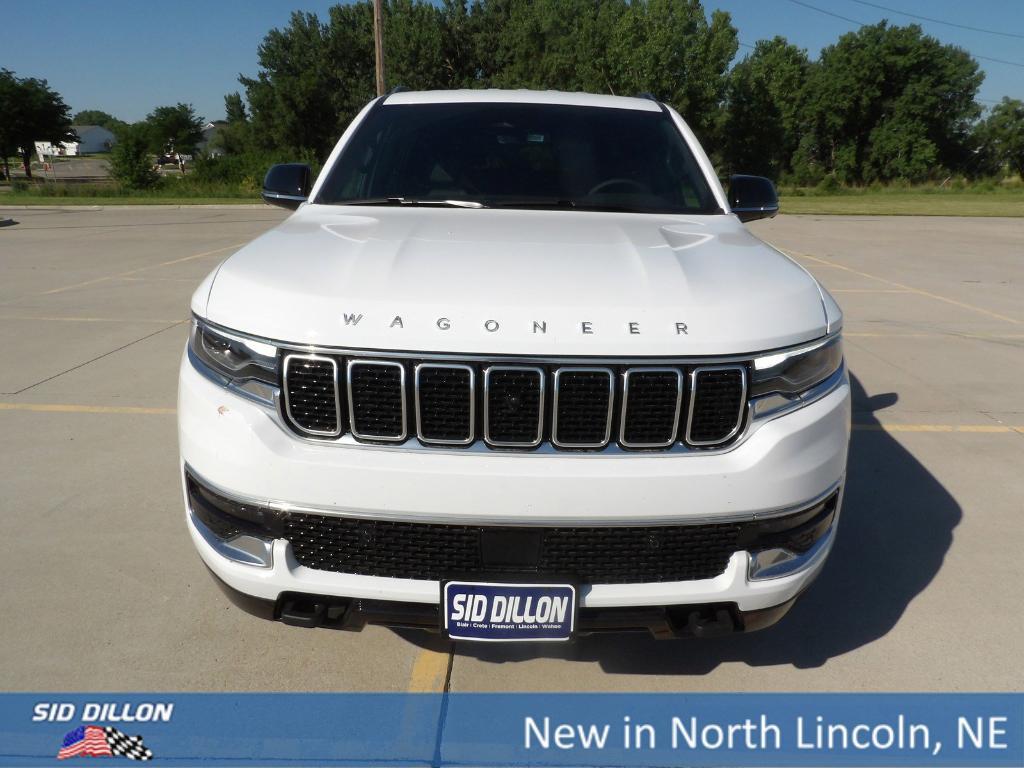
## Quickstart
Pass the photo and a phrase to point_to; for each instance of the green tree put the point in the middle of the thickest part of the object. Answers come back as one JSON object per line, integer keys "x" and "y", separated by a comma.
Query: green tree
{"x": 176, "y": 127}
{"x": 131, "y": 163}
{"x": 888, "y": 102}
{"x": 292, "y": 99}
{"x": 1001, "y": 136}
{"x": 556, "y": 44}
{"x": 234, "y": 108}
{"x": 763, "y": 108}
{"x": 98, "y": 117}
{"x": 31, "y": 111}
{"x": 670, "y": 49}
{"x": 234, "y": 138}
{"x": 314, "y": 77}
{"x": 414, "y": 40}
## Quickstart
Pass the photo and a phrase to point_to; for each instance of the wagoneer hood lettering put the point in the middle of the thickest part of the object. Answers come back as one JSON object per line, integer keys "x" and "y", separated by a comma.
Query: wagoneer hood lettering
{"x": 517, "y": 282}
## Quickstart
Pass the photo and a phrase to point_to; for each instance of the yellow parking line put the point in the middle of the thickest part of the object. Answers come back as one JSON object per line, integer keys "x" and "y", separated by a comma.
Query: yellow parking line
{"x": 63, "y": 408}
{"x": 95, "y": 280}
{"x": 944, "y": 428}
{"x": 155, "y": 279}
{"x": 949, "y": 335}
{"x": 868, "y": 290}
{"x": 908, "y": 288}
{"x": 429, "y": 672}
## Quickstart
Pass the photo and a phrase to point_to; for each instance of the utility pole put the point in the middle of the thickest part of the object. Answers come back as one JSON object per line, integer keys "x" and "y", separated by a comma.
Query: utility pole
{"x": 378, "y": 44}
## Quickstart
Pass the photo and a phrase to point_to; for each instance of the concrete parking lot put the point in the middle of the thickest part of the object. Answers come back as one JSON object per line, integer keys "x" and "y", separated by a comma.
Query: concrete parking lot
{"x": 103, "y": 591}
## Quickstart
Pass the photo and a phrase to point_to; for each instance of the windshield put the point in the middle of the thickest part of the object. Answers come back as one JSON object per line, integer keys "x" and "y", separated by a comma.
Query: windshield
{"x": 519, "y": 156}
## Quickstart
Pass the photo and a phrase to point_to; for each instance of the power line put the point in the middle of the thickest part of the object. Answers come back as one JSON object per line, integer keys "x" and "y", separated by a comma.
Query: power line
{"x": 828, "y": 13}
{"x": 939, "y": 21}
{"x": 998, "y": 61}
{"x": 863, "y": 24}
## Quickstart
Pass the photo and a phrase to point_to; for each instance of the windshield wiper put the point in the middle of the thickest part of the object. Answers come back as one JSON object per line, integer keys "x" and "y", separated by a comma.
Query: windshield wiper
{"x": 561, "y": 204}
{"x": 553, "y": 203}
{"x": 412, "y": 201}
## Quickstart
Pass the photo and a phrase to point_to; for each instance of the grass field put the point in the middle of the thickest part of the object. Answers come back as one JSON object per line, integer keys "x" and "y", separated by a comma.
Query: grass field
{"x": 52, "y": 201}
{"x": 1006, "y": 202}
{"x": 886, "y": 202}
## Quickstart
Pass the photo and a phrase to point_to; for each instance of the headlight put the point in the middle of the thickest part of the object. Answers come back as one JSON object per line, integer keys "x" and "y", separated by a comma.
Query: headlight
{"x": 242, "y": 364}
{"x": 791, "y": 373}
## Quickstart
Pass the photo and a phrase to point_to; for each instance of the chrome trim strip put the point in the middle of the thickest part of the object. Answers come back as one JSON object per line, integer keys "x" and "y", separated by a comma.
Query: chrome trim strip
{"x": 693, "y": 398}
{"x": 608, "y": 419}
{"x": 245, "y": 549}
{"x": 768, "y": 564}
{"x": 476, "y": 520}
{"x": 472, "y": 403}
{"x": 524, "y": 359}
{"x": 625, "y": 406}
{"x": 283, "y": 196}
{"x": 337, "y": 397}
{"x": 351, "y": 407}
{"x": 487, "y": 406}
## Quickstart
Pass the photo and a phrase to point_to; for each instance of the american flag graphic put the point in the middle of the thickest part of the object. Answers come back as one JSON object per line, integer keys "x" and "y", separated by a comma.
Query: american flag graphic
{"x": 97, "y": 741}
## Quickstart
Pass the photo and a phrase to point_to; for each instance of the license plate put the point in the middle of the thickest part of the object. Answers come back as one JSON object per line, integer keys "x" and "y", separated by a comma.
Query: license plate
{"x": 499, "y": 612}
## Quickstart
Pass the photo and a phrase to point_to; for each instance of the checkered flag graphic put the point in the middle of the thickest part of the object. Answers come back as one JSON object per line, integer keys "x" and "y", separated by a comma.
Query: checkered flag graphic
{"x": 123, "y": 745}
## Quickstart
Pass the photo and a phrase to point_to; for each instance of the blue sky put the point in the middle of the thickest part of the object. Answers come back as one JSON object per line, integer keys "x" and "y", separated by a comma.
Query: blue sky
{"x": 128, "y": 56}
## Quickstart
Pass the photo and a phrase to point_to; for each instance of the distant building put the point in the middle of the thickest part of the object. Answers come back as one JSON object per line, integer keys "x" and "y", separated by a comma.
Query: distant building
{"x": 209, "y": 131}
{"x": 92, "y": 139}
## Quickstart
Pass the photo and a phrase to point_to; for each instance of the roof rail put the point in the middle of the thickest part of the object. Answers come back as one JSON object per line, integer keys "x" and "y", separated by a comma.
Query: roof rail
{"x": 398, "y": 89}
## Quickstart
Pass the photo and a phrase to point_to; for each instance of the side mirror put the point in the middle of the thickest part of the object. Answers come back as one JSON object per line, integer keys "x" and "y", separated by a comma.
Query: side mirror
{"x": 752, "y": 197}
{"x": 287, "y": 185}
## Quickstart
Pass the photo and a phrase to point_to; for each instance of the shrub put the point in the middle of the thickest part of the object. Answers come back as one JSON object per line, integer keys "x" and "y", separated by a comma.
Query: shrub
{"x": 830, "y": 185}
{"x": 245, "y": 170}
{"x": 130, "y": 162}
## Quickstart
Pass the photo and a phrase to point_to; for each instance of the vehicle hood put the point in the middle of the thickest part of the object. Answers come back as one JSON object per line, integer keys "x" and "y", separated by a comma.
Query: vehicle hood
{"x": 515, "y": 282}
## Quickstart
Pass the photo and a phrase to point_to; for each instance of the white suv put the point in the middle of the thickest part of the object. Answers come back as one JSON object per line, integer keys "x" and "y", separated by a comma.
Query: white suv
{"x": 514, "y": 370}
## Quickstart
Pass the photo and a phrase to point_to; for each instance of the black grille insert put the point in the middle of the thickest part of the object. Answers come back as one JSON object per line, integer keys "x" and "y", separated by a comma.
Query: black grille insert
{"x": 377, "y": 392}
{"x": 432, "y": 551}
{"x": 311, "y": 394}
{"x": 652, "y": 400}
{"x": 445, "y": 403}
{"x": 600, "y": 555}
{"x": 718, "y": 401}
{"x": 583, "y": 400}
{"x": 515, "y": 402}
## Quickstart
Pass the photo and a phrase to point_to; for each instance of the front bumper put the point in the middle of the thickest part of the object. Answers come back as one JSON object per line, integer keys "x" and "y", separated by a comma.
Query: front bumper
{"x": 240, "y": 448}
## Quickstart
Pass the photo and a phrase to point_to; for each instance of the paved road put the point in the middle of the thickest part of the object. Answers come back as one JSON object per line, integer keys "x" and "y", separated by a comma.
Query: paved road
{"x": 102, "y": 589}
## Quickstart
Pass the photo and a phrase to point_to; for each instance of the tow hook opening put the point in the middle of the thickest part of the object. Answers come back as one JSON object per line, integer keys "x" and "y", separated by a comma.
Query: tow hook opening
{"x": 702, "y": 621}
{"x": 311, "y": 611}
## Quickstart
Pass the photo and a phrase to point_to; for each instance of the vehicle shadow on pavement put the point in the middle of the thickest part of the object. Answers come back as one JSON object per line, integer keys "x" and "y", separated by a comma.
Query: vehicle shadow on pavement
{"x": 895, "y": 529}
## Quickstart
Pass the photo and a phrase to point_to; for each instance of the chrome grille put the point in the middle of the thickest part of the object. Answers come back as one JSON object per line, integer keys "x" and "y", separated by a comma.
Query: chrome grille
{"x": 583, "y": 407}
{"x": 718, "y": 397}
{"x": 376, "y": 399}
{"x": 311, "y": 394}
{"x": 514, "y": 406}
{"x": 651, "y": 403}
{"x": 445, "y": 403}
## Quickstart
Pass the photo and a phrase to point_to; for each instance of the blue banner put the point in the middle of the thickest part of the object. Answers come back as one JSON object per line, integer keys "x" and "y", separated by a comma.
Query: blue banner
{"x": 515, "y": 729}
